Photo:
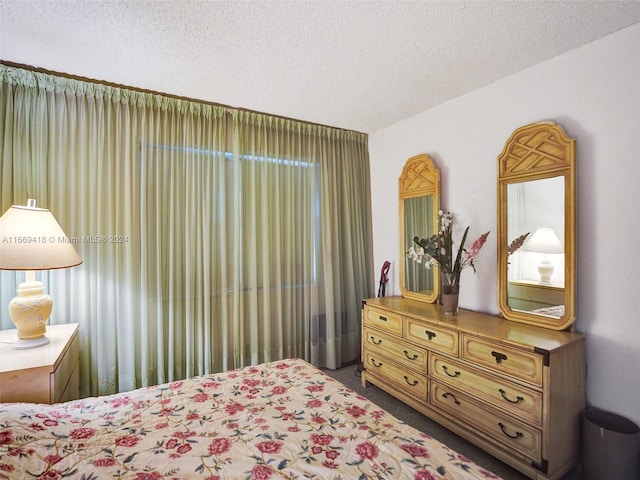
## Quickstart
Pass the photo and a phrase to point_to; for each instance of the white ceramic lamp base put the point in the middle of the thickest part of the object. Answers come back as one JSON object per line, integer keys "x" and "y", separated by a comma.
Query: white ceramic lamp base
{"x": 30, "y": 311}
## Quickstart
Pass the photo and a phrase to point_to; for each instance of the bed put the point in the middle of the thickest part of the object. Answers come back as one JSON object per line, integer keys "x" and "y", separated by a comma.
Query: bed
{"x": 278, "y": 420}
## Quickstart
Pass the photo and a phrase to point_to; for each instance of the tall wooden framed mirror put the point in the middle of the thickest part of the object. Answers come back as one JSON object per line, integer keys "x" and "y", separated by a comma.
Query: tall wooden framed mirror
{"x": 419, "y": 202}
{"x": 537, "y": 199}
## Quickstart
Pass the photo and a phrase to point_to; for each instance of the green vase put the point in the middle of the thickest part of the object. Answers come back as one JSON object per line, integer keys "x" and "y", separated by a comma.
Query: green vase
{"x": 449, "y": 291}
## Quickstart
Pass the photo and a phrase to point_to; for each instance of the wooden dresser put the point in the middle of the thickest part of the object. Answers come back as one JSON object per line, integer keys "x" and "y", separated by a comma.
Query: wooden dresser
{"x": 46, "y": 374}
{"x": 516, "y": 391}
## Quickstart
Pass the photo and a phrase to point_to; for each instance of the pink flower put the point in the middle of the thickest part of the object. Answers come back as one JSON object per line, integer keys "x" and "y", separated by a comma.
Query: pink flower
{"x": 423, "y": 475}
{"x": 52, "y": 459}
{"x": 269, "y": 446}
{"x": 315, "y": 403}
{"x": 315, "y": 388}
{"x": 318, "y": 419}
{"x": 261, "y": 472}
{"x": 6, "y": 437}
{"x": 82, "y": 433}
{"x": 416, "y": 450}
{"x": 50, "y": 475}
{"x": 475, "y": 249}
{"x": 278, "y": 390}
{"x": 233, "y": 408}
{"x": 104, "y": 462}
{"x": 171, "y": 443}
{"x": 184, "y": 448}
{"x": 321, "y": 439}
{"x": 117, "y": 402}
{"x": 200, "y": 397}
{"x": 127, "y": 441}
{"x": 356, "y": 411}
{"x": 332, "y": 454}
{"x": 148, "y": 476}
{"x": 367, "y": 450}
{"x": 5, "y": 467}
{"x": 220, "y": 446}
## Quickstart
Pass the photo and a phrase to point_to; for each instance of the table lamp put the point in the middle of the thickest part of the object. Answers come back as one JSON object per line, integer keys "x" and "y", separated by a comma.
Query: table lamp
{"x": 31, "y": 239}
{"x": 544, "y": 241}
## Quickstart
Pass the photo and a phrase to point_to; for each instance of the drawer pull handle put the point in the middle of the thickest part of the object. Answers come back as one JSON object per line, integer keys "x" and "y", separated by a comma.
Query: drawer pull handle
{"x": 374, "y": 341}
{"x": 447, "y": 395}
{"x": 499, "y": 356}
{"x": 430, "y": 334}
{"x": 384, "y": 319}
{"x": 504, "y": 395}
{"x": 413, "y": 357}
{"x": 375, "y": 364}
{"x": 446, "y": 370}
{"x": 516, "y": 436}
{"x": 413, "y": 384}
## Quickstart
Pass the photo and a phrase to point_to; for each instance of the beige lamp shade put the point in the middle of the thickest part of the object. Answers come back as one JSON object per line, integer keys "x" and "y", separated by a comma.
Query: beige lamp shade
{"x": 31, "y": 239}
{"x": 544, "y": 240}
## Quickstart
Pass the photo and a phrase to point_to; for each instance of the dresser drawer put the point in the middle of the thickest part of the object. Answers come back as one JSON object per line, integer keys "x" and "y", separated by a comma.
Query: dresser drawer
{"x": 431, "y": 336}
{"x": 396, "y": 349}
{"x": 383, "y": 320}
{"x": 63, "y": 372}
{"x": 517, "y": 363}
{"x": 408, "y": 382}
{"x": 521, "y": 401}
{"x": 514, "y": 435}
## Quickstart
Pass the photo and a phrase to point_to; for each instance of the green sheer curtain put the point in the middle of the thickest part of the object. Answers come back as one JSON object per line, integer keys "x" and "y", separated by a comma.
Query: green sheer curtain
{"x": 210, "y": 239}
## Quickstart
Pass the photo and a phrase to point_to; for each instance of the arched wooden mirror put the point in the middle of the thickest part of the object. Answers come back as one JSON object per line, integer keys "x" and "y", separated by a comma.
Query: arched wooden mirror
{"x": 536, "y": 198}
{"x": 419, "y": 191}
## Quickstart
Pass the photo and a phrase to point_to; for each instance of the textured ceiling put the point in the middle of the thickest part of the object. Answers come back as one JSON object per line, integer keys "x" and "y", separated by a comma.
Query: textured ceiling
{"x": 360, "y": 65}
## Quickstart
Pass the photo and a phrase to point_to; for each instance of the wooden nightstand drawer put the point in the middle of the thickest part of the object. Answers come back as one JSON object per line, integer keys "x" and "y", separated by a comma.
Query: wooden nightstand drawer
{"x": 61, "y": 379}
{"x": 511, "y": 433}
{"x": 432, "y": 336}
{"x": 520, "y": 364}
{"x": 45, "y": 374}
{"x": 410, "y": 383}
{"x": 511, "y": 397}
{"x": 396, "y": 349}
{"x": 382, "y": 320}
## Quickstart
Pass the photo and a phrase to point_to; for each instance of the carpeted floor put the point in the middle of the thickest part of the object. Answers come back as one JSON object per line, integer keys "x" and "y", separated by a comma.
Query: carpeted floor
{"x": 350, "y": 377}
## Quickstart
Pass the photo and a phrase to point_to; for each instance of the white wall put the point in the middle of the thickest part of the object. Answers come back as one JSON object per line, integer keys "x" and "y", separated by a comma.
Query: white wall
{"x": 594, "y": 93}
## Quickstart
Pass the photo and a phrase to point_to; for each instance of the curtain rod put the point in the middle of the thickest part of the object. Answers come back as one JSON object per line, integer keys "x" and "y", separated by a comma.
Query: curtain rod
{"x": 229, "y": 108}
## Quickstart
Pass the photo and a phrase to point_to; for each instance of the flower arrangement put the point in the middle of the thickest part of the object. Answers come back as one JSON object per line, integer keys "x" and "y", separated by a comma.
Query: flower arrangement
{"x": 517, "y": 243}
{"x": 438, "y": 250}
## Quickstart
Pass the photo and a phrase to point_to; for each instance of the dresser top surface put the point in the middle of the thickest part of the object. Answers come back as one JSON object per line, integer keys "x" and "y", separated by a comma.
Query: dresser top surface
{"x": 38, "y": 357}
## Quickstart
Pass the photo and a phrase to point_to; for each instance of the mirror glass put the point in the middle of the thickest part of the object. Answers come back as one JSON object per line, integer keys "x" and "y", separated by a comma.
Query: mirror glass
{"x": 418, "y": 218}
{"x": 419, "y": 192}
{"x": 536, "y": 227}
{"x": 536, "y": 270}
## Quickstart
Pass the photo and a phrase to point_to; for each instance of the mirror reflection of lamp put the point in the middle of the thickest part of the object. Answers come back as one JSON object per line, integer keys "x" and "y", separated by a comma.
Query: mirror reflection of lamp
{"x": 31, "y": 239}
{"x": 545, "y": 241}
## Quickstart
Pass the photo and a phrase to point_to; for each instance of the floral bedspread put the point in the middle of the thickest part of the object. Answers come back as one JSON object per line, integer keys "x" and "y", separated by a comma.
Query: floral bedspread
{"x": 279, "y": 420}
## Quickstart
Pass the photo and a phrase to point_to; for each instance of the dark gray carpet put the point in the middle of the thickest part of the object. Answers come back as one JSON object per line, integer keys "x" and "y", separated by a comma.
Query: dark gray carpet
{"x": 350, "y": 377}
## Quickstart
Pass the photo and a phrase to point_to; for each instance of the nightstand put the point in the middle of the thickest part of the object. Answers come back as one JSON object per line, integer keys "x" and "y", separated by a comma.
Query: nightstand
{"x": 46, "y": 374}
